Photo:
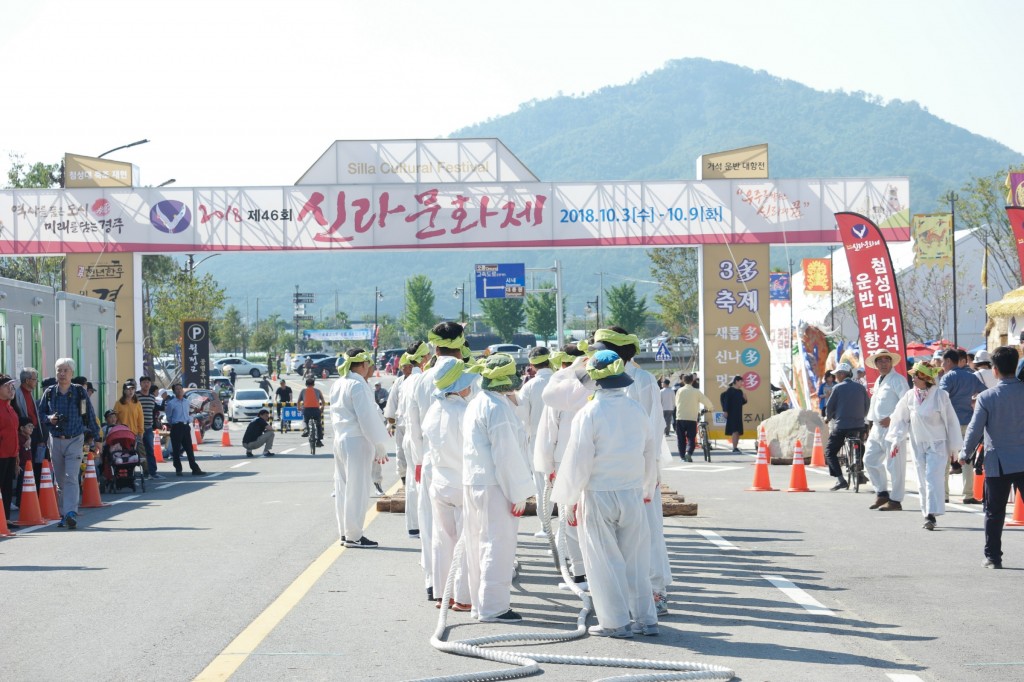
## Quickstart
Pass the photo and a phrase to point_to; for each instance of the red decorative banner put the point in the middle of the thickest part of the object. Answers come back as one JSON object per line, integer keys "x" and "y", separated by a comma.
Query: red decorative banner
{"x": 874, "y": 290}
{"x": 1016, "y": 216}
{"x": 817, "y": 275}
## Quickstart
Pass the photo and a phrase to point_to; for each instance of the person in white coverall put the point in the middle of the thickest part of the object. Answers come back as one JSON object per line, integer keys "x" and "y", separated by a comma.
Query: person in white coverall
{"x": 420, "y": 357}
{"x": 925, "y": 416}
{"x": 644, "y": 390}
{"x": 406, "y": 366}
{"x": 447, "y": 340}
{"x": 442, "y": 427}
{"x": 359, "y": 437}
{"x": 608, "y": 469}
{"x": 531, "y": 406}
{"x": 497, "y": 481}
{"x": 887, "y": 474}
{"x": 549, "y": 447}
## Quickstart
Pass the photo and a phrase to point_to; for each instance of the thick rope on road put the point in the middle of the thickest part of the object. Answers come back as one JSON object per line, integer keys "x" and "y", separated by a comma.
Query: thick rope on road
{"x": 528, "y": 662}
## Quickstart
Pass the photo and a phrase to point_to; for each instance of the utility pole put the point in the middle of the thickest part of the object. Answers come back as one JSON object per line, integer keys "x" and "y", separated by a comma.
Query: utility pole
{"x": 952, "y": 198}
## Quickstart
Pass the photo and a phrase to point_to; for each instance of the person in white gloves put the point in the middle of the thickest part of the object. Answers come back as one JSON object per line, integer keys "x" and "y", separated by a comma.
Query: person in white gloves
{"x": 498, "y": 480}
{"x": 442, "y": 428}
{"x": 607, "y": 475}
{"x": 359, "y": 438}
{"x": 925, "y": 416}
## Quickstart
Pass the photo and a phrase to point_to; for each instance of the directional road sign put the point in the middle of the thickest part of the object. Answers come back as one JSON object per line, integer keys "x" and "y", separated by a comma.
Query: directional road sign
{"x": 504, "y": 280}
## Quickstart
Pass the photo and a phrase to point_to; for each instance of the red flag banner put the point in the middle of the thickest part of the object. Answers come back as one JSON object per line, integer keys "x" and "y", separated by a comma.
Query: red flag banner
{"x": 1016, "y": 216}
{"x": 874, "y": 290}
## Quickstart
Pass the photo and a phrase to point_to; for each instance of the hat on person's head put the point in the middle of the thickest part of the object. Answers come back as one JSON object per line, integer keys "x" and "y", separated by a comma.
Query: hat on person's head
{"x": 130, "y": 383}
{"x": 499, "y": 374}
{"x": 925, "y": 370}
{"x": 539, "y": 355}
{"x": 109, "y": 413}
{"x": 845, "y": 368}
{"x": 6, "y": 379}
{"x": 608, "y": 370}
{"x": 937, "y": 355}
{"x": 89, "y": 386}
{"x": 882, "y": 353}
{"x": 982, "y": 356}
{"x": 452, "y": 375}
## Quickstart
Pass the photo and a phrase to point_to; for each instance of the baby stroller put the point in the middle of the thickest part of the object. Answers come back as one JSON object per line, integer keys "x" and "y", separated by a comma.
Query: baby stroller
{"x": 120, "y": 460}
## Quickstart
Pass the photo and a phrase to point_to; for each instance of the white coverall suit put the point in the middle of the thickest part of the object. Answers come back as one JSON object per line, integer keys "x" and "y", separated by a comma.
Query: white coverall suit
{"x": 610, "y": 463}
{"x": 496, "y": 474}
{"x": 412, "y": 518}
{"x": 391, "y": 412}
{"x": 359, "y": 433}
{"x": 442, "y": 427}
{"x": 932, "y": 427}
{"x": 419, "y": 398}
{"x": 879, "y": 466}
{"x": 531, "y": 407}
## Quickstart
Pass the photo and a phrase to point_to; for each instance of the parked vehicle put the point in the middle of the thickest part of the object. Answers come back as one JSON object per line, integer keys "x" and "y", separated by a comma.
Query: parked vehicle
{"x": 241, "y": 367}
{"x": 206, "y": 406}
{"x": 510, "y": 348}
{"x": 299, "y": 360}
{"x": 328, "y": 364}
{"x": 385, "y": 357}
{"x": 247, "y": 403}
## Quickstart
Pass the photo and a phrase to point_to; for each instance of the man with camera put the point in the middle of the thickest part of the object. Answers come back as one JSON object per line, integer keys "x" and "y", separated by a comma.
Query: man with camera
{"x": 71, "y": 423}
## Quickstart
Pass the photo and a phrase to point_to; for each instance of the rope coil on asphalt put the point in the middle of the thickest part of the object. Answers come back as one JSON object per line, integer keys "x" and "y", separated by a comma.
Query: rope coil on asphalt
{"x": 528, "y": 662}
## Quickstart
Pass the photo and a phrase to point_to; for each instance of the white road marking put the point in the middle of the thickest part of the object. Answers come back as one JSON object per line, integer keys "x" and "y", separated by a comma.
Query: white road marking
{"x": 124, "y": 499}
{"x": 805, "y": 600}
{"x": 717, "y": 540}
{"x": 903, "y": 677}
{"x": 166, "y": 485}
{"x": 694, "y": 468}
{"x": 33, "y": 529}
{"x": 240, "y": 464}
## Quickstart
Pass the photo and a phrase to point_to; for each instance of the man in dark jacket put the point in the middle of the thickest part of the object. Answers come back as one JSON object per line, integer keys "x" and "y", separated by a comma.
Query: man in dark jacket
{"x": 847, "y": 410}
{"x": 258, "y": 433}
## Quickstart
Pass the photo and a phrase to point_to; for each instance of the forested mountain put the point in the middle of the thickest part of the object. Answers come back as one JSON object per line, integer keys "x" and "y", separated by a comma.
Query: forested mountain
{"x": 651, "y": 129}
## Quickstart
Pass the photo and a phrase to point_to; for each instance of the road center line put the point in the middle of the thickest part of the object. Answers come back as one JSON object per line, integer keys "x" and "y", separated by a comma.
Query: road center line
{"x": 717, "y": 540}
{"x": 903, "y": 677}
{"x": 240, "y": 464}
{"x": 241, "y": 647}
{"x": 805, "y": 600}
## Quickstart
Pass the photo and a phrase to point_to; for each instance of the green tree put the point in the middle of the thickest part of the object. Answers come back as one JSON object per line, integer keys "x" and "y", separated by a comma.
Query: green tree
{"x": 504, "y": 315}
{"x": 542, "y": 312}
{"x": 47, "y": 270}
{"x": 227, "y": 332}
{"x": 180, "y": 298}
{"x": 676, "y": 271}
{"x": 981, "y": 205}
{"x": 419, "y": 314}
{"x": 625, "y": 309}
{"x": 265, "y": 336}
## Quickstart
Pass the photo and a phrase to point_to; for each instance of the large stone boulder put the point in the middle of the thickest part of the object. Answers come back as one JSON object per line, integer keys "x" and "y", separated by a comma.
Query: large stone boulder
{"x": 783, "y": 430}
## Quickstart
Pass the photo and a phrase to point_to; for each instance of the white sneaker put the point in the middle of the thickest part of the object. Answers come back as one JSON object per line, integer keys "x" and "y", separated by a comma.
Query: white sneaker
{"x": 647, "y": 630}
{"x": 618, "y": 633}
{"x": 540, "y": 534}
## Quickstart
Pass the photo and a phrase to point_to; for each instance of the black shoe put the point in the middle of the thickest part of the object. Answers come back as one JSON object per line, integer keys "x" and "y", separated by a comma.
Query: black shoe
{"x": 991, "y": 563}
{"x": 414, "y": 533}
{"x": 319, "y": 443}
{"x": 403, "y": 481}
{"x": 178, "y": 473}
{"x": 509, "y": 616}
{"x": 841, "y": 485}
{"x": 71, "y": 520}
{"x": 430, "y": 594}
{"x": 197, "y": 472}
{"x": 304, "y": 434}
{"x": 361, "y": 543}
{"x": 736, "y": 450}
{"x": 248, "y": 454}
{"x": 929, "y": 523}
{"x": 268, "y": 454}
{"x": 380, "y": 490}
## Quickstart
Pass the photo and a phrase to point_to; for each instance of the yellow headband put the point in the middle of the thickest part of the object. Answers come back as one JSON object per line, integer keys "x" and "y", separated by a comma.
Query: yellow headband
{"x": 458, "y": 368}
{"x": 354, "y": 360}
{"x": 499, "y": 375}
{"x": 610, "y": 370}
{"x": 541, "y": 358}
{"x": 467, "y": 354}
{"x": 617, "y": 339}
{"x": 558, "y": 358}
{"x": 404, "y": 360}
{"x": 585, "y": 347}
{"x": 458, "y": 342}
{"x": 421, "y": 352}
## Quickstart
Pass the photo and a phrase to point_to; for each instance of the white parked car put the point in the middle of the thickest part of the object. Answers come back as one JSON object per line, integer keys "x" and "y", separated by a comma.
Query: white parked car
{"x": 508, "y": 348}
{"x": 241, "y": 366}
{"x": 246, "y": 404}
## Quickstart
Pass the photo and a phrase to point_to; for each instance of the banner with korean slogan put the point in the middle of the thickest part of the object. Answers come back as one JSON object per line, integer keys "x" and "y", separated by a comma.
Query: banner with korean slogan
{"x": 933, "y": 239}
{"x": 874, "y": 290}
{"x": 109, "y": 277}
{"x": 1016, "y": 216}
{"x": 817, "y": 275}
{"x": 734, "y": 320}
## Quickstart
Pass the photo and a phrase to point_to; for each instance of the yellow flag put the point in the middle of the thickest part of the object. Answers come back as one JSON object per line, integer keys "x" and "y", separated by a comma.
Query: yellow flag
{"x": 984, "y": 269}
{"x": 933, "y": 239}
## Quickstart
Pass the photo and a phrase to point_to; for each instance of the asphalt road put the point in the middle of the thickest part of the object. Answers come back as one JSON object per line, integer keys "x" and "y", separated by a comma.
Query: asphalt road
{"x": 240, "y": 575}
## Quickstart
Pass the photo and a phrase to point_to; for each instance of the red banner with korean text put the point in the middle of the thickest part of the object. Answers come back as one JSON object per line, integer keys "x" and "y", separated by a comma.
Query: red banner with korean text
{"x": 1016, "y": 216}
{"x": 874, "y": 290}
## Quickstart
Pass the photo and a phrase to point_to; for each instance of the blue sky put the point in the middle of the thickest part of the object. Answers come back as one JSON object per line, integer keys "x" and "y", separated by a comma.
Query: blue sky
{"x": 250, "y": 93}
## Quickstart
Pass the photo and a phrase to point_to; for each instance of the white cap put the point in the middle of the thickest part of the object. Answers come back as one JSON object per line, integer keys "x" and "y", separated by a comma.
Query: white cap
{"x": 982, "y": 356}
{"x": 843, "y": 367}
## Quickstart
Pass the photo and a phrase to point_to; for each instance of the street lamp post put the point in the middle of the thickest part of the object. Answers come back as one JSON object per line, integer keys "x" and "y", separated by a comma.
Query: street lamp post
{"x": 191, "y": 265}
{"x": 593, "y": 306}
{"x": 124, "y": 146}
{"x": 378, "y": 296}
{"x": 952, "y": 198}
{"x": 461, "y": 291}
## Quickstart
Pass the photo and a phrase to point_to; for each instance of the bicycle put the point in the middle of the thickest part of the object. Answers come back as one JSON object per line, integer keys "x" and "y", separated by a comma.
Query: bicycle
{"x": 852, "y": 460}
{"x": 314, "y": 435}
{"x": 702, "y": 434}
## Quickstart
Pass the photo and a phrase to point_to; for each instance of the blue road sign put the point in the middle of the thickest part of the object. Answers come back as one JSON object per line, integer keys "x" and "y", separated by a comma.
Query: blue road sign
{"x": 291, "y": 414}
{"x": 663, "y": 354}
{"x": 504, "y": 280}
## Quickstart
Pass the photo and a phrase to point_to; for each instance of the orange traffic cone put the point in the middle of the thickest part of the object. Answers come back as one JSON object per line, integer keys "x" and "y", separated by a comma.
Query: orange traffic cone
{"x": 979, "y": 481}
{"x": 198, "y": 435}
{"x": 798, "y": 475}
{"x": 158, "y": 450}
{"x": 4, "y": 530}
{"x": 1018, "y": 512}
{"x": 47, "y": 494}
{"x": 762, "y": 482}
{"x": 29, "y": 513}
{"x": 91, "y": 487}
{"x": 225, "y": 438}
{"x": 818, "y": 452}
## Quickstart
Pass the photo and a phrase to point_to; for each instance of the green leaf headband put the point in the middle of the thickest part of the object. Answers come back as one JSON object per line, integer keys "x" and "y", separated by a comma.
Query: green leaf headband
{"x": 499, "y": 374}
{"x": 353, "y": 360}
{"x": 457, "y": 342}
{"x": 609, "y": 370}
{"x": 616, "y": 338}
{"x": 456, "y": 371}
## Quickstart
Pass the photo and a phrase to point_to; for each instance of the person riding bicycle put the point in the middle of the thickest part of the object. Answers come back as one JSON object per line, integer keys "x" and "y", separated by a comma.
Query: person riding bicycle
{"x": 311, "y": 400}
{"x": 847, "y": 409}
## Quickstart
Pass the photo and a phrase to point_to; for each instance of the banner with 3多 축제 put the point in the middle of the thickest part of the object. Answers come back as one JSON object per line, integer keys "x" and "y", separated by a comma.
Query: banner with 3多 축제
{"x": 443, "y": 215}
{"x": 875, "y": 295}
